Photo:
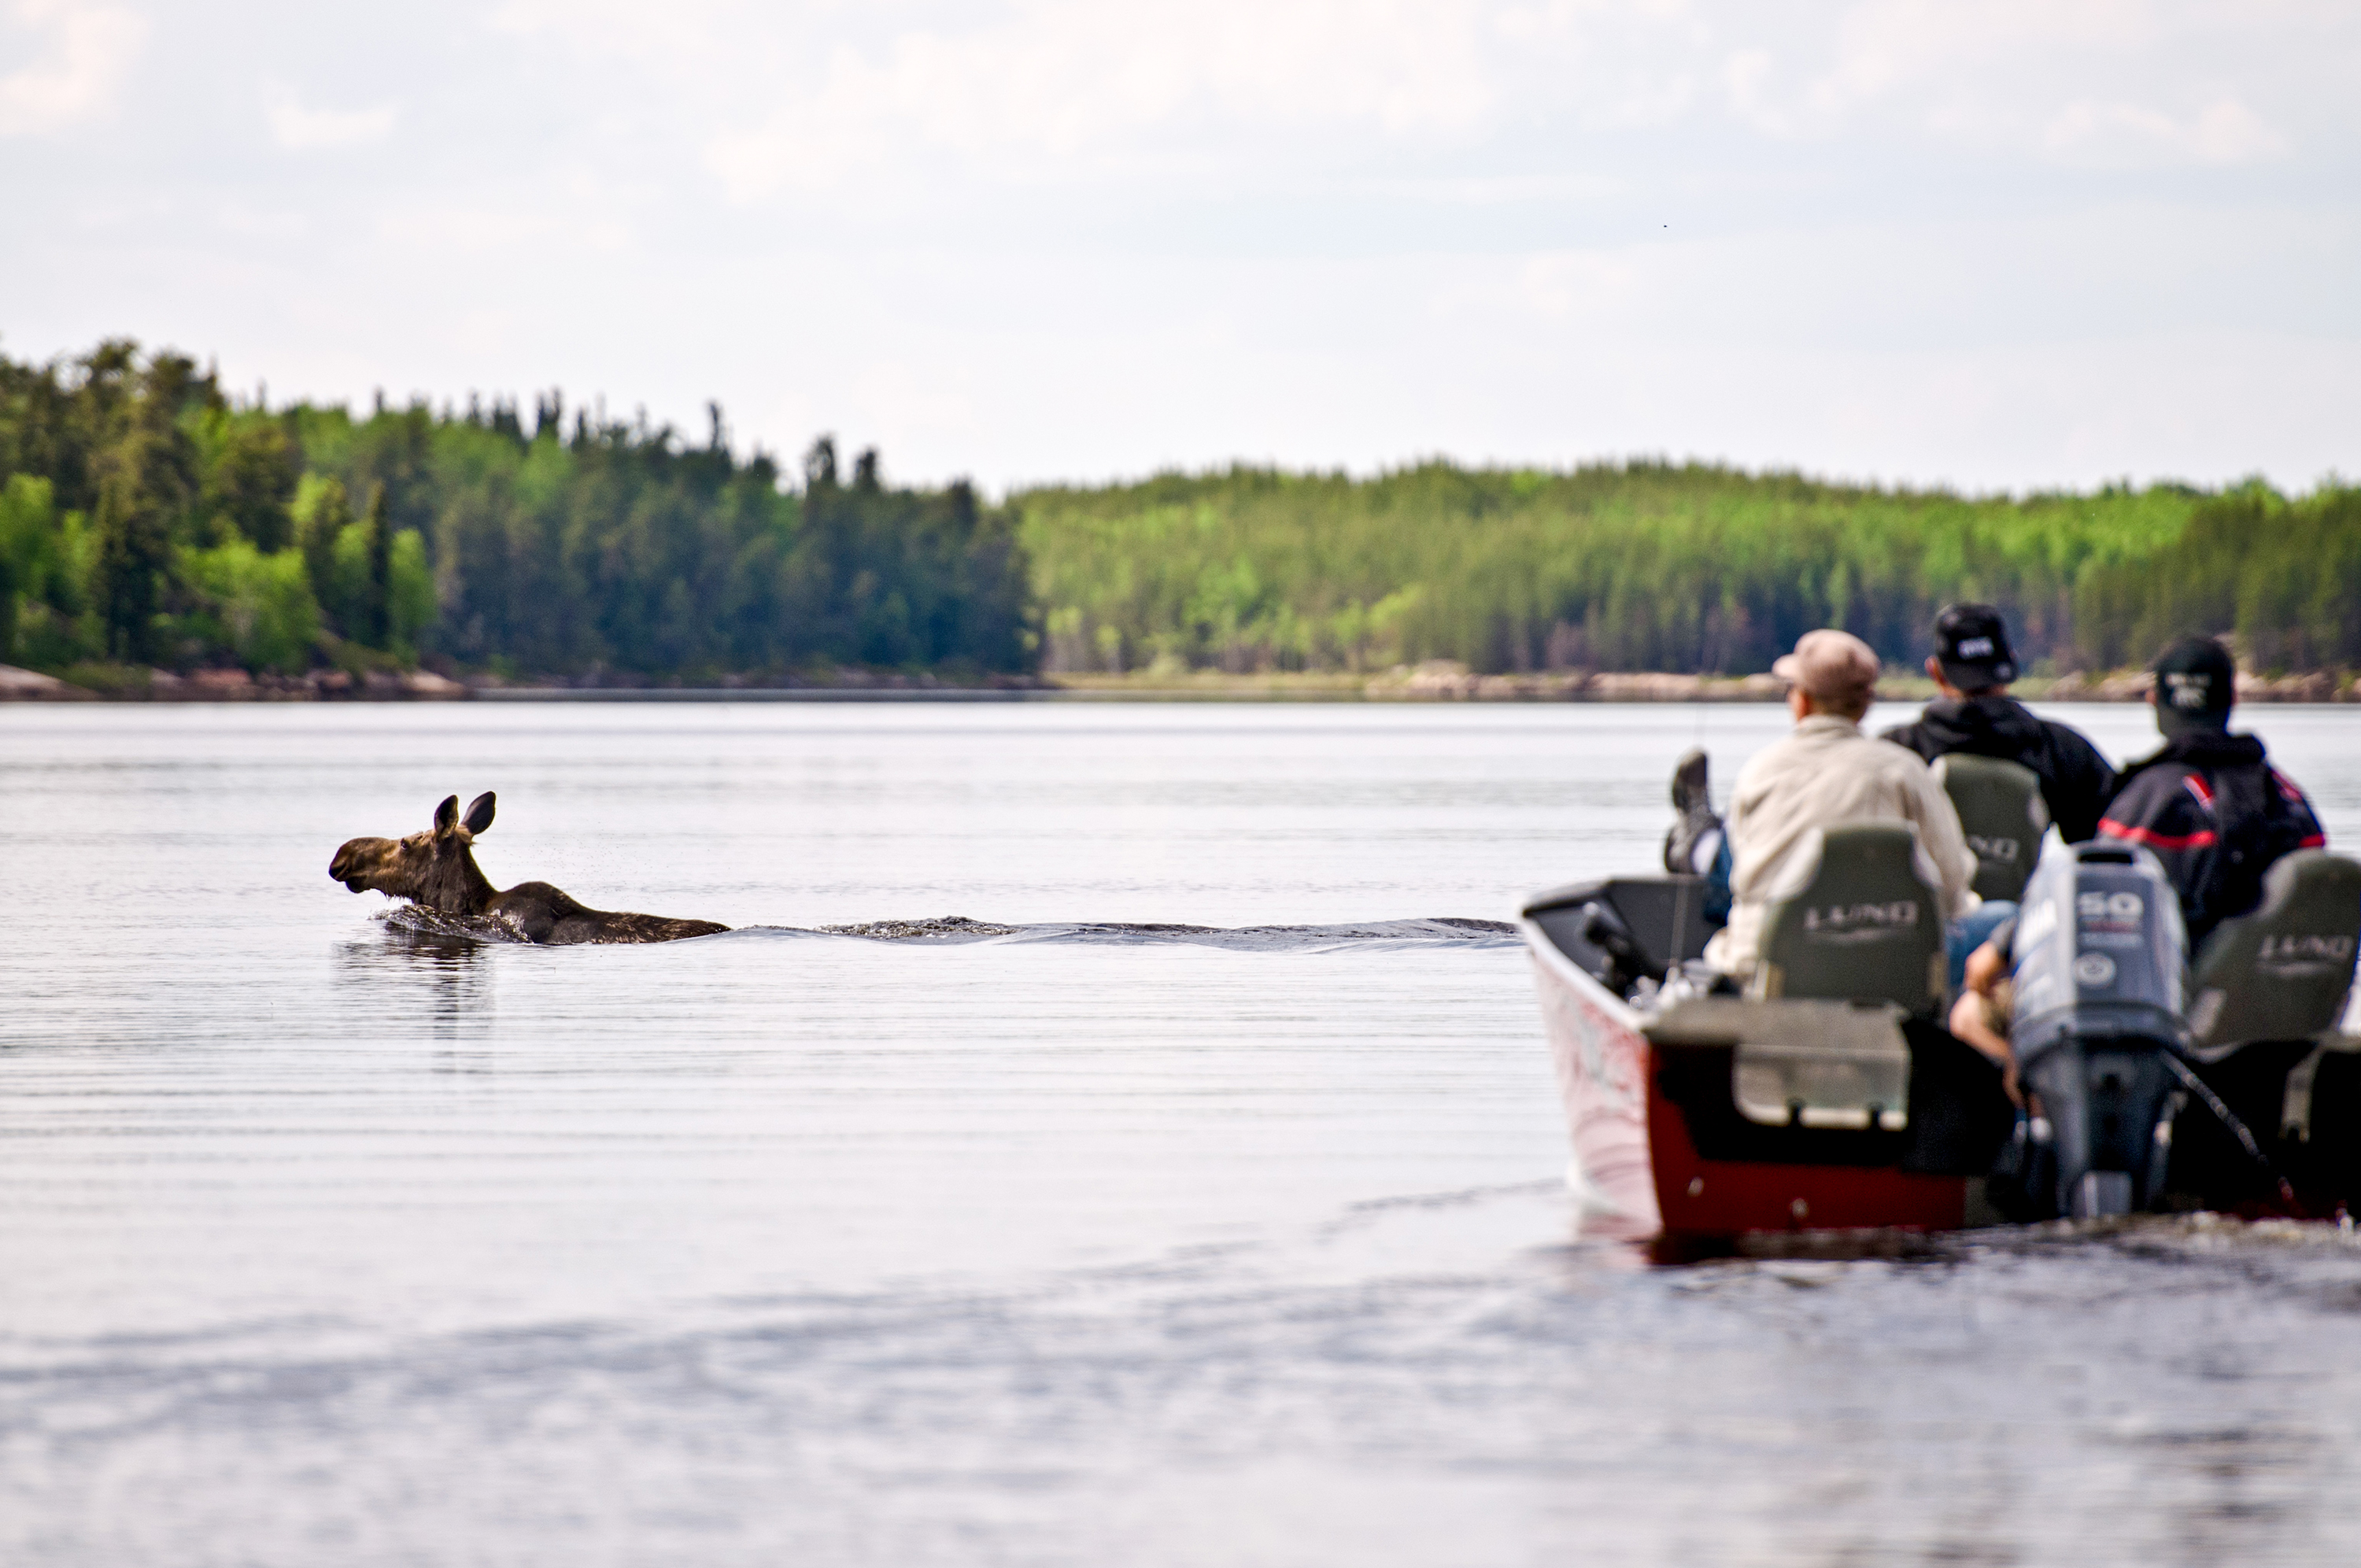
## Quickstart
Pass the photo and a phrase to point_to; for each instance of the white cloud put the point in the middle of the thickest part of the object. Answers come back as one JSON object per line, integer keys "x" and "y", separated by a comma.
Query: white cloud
{"x": 299, "y": 129}
{"x": 2068, "y": 81}
{"x": 1888, "y": 47}
{"x": 85, "y": 52}
{"x": 2223, "y": 132}
{"x": 690, "y": 29}
{"x": 1230, "y": 94}
{"x": 1062, "y": 84}
{"x": 2229, "y": 131}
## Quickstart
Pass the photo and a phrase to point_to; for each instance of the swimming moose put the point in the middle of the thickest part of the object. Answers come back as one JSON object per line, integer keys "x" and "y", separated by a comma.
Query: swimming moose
{"x": 437, "y": 869}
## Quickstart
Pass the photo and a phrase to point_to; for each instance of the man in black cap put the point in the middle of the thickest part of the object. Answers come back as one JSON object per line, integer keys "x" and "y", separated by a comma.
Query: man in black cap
{"x": 2209, "y": 804}
{"x": 1972, "y": 667}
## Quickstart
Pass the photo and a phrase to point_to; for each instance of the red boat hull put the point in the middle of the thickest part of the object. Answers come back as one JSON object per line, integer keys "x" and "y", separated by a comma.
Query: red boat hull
{"x": 1700, "y": 1197}
{"x": 1639, "y": 1174}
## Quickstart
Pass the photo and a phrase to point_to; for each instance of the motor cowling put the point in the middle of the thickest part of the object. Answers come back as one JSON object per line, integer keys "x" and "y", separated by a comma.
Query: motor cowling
{"x": 2100, "y": 961}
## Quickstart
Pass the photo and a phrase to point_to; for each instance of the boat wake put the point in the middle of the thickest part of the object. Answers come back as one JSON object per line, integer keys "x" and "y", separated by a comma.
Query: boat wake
{"x": 1442, "y": 931}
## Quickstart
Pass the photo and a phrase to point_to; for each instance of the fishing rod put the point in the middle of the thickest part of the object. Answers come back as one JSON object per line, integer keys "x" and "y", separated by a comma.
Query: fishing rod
{"x": 2229, "y": 1120}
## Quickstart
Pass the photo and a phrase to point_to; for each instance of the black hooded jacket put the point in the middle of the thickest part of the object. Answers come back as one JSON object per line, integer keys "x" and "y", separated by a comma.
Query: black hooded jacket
{"x": 2076, "y": 780}
{"x": 2212, "y": 807}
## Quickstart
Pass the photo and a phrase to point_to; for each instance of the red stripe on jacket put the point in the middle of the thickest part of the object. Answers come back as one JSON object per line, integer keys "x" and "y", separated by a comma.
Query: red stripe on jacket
{"x": 2156, "y": 841}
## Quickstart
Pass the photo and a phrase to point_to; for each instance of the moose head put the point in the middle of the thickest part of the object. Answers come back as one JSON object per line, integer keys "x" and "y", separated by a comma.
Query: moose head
{"x": 436, "y": 868}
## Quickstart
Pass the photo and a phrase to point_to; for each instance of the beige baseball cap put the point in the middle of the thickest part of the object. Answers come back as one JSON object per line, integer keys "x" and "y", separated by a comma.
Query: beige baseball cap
{"x": 1830, "y": 664}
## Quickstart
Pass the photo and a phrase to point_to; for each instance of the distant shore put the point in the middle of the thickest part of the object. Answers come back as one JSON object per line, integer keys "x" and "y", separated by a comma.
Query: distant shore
{"x": 1435, "y": 681}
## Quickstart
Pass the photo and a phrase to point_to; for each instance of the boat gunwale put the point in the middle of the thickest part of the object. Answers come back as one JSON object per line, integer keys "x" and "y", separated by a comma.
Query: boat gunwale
{"x": 1538, "y": 939}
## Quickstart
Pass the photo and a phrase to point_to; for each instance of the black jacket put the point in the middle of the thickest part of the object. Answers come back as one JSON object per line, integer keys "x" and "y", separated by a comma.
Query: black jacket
{"x": 2217, "y": 813}
{"x": 2075, "y": 780}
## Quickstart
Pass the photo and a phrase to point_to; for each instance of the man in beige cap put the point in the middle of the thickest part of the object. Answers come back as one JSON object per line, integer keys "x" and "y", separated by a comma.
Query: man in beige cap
{"x": 1825, "y": 773}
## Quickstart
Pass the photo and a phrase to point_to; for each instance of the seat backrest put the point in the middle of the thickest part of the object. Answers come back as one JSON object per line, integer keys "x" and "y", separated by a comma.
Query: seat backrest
{"x": 1859, "y": 920}
{"x": 2281, "y": 972}
{"x": 2003, "y": 815}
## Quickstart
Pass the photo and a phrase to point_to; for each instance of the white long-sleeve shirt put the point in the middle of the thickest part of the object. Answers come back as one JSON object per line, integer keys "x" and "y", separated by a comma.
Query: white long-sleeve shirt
{"x": 1824, "y": 773}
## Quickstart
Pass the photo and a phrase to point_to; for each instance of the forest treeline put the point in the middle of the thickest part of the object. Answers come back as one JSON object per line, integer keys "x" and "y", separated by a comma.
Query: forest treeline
{"x": 148, "y": 519}
{"x": 1689, "y": 569}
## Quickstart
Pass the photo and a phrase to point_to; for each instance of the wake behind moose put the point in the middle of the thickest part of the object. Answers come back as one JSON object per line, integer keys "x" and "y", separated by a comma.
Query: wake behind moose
{"x": 437, "y": 869}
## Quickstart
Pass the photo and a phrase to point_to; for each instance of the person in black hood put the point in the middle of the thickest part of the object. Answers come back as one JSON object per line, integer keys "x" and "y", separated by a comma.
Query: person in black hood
{"x": 1972, "y": 667}
{"x": 2209, "y": 804}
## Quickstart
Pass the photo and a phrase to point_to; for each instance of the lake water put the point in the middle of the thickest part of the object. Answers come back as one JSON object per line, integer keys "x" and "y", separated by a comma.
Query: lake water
{"x": 323, "y": 1243}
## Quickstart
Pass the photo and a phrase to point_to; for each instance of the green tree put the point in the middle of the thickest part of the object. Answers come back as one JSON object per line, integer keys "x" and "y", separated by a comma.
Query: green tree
{"x": 50, "y": 559}
{"x": 258, "y": 606}
{"x": 377, "y": 596}
{"x": 250, "y": 477}
{"x": 321, "y": 513}
{"x": 28, "y": 530}
{"x": 138, "y": 495}
{"x": 410, "y": 593}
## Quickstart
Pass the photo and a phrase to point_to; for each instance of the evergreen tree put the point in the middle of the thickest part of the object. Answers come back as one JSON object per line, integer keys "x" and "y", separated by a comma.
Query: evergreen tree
{"x": 376, "y": 624}
{"x": 134, "y": 548}
{"x": 322, "y": 512}
{"x": 819, "y": 465}
{"x": 143, "y": 493}
{"x": 250, "y": 480}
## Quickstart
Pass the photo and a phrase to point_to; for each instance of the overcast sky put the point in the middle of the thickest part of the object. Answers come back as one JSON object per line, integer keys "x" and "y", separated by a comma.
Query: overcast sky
{"x": 2006, "y": 244}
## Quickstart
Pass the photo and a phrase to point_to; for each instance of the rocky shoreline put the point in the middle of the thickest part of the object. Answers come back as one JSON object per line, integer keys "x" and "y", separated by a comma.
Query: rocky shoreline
{"x": 1438, "y": 680}
{"x": 237, "y": 686}
{"x": 1442, "y": 680}
{"x": 426, "y": 686}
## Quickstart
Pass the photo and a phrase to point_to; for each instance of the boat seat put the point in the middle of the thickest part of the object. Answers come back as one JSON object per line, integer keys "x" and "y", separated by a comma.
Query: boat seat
{"x": 2002, "y": 813}
{"x": 1859, "y": 920}
{"x": 1801, "y": 1064}
{"x": 2283, "y": 972}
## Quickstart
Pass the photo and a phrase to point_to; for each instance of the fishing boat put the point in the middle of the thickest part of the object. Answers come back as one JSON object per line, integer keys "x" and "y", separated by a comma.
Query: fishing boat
{"x": 1823, "y": 1093}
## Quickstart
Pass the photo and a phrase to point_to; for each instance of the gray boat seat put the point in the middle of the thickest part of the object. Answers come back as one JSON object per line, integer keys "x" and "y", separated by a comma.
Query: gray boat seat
{"x": 1801, "y": 1064}
{"x": 1859, "y": 920}
{"x": 2003, "y": 815}
{"x": 2281, "y": 972}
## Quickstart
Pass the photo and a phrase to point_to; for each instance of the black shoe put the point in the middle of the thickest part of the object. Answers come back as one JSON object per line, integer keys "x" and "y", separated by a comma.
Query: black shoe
{"x": 1694, "y": 800}
{"x": 1690, "y": 794}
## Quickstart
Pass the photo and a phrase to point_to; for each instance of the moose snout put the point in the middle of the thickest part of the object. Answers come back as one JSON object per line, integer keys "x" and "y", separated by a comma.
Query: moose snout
{"x": 353, "y": 859}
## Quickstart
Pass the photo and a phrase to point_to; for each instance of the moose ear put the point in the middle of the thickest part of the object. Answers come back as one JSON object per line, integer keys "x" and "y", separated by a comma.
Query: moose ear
{"x": 480, "y": 813}
{"x": 446, "y": 814}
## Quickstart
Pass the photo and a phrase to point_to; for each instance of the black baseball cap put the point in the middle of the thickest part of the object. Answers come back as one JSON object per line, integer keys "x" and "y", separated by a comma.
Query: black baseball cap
{"x": 1972, "y": 645}
{"x": 2196, "y": 683}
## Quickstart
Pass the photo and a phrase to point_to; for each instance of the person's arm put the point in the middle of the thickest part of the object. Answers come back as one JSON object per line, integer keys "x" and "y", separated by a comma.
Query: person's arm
{"x": 1740, "y": 829}
{"x": 1989, "y": 964}
{"x": 1944, "y": 842}
{"x": 2084, "y": 784}
{"x": 1731, "y": 949}
{"x": 2313, "y": 835}
{"x": 1970, "y": 1019}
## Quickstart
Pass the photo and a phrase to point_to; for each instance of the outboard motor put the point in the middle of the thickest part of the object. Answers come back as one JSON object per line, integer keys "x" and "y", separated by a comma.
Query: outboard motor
{"x": 2100, "y": 964}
